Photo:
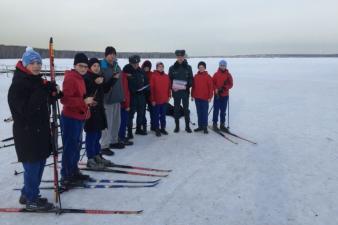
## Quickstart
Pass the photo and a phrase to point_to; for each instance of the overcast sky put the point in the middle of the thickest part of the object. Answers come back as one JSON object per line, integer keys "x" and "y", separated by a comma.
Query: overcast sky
{"x": 209, "y": 27}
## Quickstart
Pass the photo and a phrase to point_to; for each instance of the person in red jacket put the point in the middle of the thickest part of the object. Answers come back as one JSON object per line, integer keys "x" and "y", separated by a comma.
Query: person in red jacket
{"x": 75, "y": 112}
{"x": 222, "y": 81}
{"x": 202, "y": 92}
{"x": 125, "y": 108}
{"x": 160, "y": 93}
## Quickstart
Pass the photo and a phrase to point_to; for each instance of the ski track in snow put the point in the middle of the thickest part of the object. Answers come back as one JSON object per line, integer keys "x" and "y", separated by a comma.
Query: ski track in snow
{"x": 289, "y": 106}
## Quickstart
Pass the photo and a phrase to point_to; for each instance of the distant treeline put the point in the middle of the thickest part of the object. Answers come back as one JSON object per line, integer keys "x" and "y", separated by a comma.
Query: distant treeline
{"x": 15, "y": 52}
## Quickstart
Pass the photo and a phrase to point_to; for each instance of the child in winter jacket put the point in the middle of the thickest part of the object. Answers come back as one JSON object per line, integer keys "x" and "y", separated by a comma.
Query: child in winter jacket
{"x": 160, "y": 90}
{"x": 223, "y": 82}
{"x": 202, "y": 92}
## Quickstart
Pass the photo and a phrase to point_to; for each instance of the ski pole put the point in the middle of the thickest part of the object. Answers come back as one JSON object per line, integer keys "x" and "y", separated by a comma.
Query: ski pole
{"x": 54, "y": 126}
{"x": 228, "y": 112}
{"x": 7, "y": 139}
{"x": 5, "y": 146}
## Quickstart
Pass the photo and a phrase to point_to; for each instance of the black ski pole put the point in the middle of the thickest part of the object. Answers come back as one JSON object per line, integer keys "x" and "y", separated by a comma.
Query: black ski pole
{"x": 6, "y": 146}
{"x": 228, "y": 112}
{"x": 7, "y": 139}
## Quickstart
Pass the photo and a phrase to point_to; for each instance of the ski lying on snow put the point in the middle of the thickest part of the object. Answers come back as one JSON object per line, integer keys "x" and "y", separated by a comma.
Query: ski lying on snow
{"x": 134, "y": 167}
{"x": 97, "y": 186}
{"x": 124, "y": 172}
{"x": 223, "y": 135}
{"x": 92, "y": 180}
{"x": 67, "y": 210}
{"x": 239, "y": 137}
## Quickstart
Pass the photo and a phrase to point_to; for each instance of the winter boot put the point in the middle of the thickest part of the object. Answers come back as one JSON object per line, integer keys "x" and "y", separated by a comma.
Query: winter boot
{"x": 23, "y": 200}
{"x": 163, "y": 131}
{"x": 39, "y": 205}
{"x": 95, "y": 164}
{"x": 198, "y": 129}
{"x": 158, "y": 133}
{"x": 140, "y": 131}
{"x": 78, "y": 176}
{"x": 223, "y": 128}
{"x": 118, "y": 145}
{"x": 177, "y": 127}
{"x": 107, "y": 151}
{"x": 105, "y": 162}
{"x": 187, "y": 127}
{"x": 205, "y": 130}
{"x": 145, "y": 130}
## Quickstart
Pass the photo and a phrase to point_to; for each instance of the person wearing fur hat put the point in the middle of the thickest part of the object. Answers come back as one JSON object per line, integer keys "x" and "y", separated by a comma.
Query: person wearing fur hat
{"x": 112, "y": 102}
{"x": 75, "y": 111}
{"x": 138, "y": 85}
{"x": 146, "y": 67}
{"x": 160, "y": 86}
{"x": 29, "y": 97}
{"x": 181, "y": 78}
{"x": 96, "y": 87}
{"x": 202, "y": 93}
{"x": 223, "y": 82}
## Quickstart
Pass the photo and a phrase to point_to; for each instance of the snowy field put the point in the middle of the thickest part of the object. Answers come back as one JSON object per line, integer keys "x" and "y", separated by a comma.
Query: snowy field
{"x": 289, "y": 106}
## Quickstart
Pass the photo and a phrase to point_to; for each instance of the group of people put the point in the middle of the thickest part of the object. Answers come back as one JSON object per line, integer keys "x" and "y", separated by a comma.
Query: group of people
{"x": 102, "y": 99}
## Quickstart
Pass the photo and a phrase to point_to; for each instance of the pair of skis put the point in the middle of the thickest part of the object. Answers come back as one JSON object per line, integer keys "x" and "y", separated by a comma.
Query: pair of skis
{"x": 221, "y": 133}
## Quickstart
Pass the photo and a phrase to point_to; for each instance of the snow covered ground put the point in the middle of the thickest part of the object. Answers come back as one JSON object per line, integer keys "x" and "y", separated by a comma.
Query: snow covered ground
{"x": 289, "y": 106}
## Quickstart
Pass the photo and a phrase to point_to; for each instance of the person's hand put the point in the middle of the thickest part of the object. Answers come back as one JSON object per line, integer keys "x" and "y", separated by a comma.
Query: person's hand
{"x": 93, "y": 104}
{"x": 99, "y": 80}
{"x": 89, "y": 100}
{"x": 128, "y": 109}
{"x": 209, "y": 100}
{"x": 153, "y": 103}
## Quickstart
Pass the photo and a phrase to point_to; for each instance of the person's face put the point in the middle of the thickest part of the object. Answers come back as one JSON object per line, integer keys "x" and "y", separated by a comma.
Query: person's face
{"x": 160, "y": 68}
{"x": 34, "y": 68}
{"x": 81, "y": 68}
{"x": 222, "y": 67}
{"x": 95, "y": 68}
{"x": 180, "y": 59}
{"x": 110, "y": 58}
{"x": 201, "y": 68}
{"x": 135, "y": 65}
{"x": 146, "y": 69}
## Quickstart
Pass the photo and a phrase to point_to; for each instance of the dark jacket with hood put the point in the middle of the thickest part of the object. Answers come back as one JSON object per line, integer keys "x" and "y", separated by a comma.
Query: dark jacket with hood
{"x": 29, "y": 101}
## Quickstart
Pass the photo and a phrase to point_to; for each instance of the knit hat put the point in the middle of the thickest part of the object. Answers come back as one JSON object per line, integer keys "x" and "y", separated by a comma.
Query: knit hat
{"x": 202, "y": 64}
{"x": 80, "y": 58}
{"x": 146, "y": 63}
{"x": 92, "y": 61}
{"x": 30, "y": 56}
{"x": 180, "y": 52}
{"x": 223, "y": 63}
{"x": 109, "y": 50}
{"x": 134, "y": 59}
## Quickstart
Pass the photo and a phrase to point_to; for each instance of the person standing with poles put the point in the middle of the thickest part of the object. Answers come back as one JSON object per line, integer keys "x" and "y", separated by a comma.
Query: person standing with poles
{"x": 29, "y": 97}
{"x": 75, "y": 112}
{"x": 223, "y": 82}
{"x": 181, "y": 77}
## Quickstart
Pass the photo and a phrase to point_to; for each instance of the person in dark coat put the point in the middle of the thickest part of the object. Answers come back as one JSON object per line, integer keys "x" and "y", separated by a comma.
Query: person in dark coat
{"x": 29, "y": 99}
{"x": 138, "y": 85}
{"x": 96, "y": 87}
{"x": 181, "y": 78}
{"x": 146, "y": 67}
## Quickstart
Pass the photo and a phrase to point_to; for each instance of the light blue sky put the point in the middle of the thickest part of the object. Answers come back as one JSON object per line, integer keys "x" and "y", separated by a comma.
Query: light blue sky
{"x": 210, "y": 27}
